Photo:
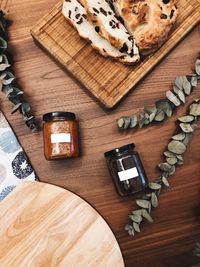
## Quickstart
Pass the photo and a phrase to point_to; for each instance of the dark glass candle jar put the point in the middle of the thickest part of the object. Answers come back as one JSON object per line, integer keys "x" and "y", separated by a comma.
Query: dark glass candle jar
{"x": 60, "y": 134}
{"x": 126, "y": 170}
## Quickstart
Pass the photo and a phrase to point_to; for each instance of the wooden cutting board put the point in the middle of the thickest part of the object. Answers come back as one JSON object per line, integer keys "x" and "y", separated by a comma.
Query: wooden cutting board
{"x": 109, "y": 81}
{"x": 46, "y": 226}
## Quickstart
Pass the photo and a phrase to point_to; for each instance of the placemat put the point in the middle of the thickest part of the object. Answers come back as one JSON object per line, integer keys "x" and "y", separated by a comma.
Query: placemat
{"x": 14, "y": 164}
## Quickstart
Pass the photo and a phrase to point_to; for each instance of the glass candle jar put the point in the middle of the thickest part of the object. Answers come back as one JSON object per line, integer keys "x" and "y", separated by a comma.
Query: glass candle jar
{"x": 126, "y": 170}
{"x": 60, "y": 133}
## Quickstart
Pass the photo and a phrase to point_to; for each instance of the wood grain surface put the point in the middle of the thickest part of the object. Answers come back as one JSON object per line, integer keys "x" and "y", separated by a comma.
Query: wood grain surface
{"x": 109, "y": 81}
{"x": 45, "y": 225}
{"x": 170, "y": 240}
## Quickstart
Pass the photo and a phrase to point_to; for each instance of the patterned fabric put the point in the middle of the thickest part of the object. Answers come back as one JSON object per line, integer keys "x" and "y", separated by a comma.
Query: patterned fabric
{"x": 14, "y": 165}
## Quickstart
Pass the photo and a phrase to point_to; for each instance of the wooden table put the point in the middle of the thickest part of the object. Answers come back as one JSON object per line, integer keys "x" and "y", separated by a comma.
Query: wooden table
{"x": 169, "y": 242}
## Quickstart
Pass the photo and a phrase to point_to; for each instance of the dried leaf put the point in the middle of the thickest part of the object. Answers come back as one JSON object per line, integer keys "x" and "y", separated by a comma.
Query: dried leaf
{"x": 133, "y": 122}
{"x": 159, "y": 116}
{"x": 194, "y": 81}
{"x": 165, "y": 181}
{"x": 186, "y": 128}
{"x": 120, "y": 122}
{"x": 197, "y": 66}
{"x": 181, "y": 96}
{"x": 173, "y": 169}
{"x": 169, "y": 154}
{"x": 172, "y": 161}
{"x": 179, "y": 82}
{"x": 186, "y": 86}
{"x": 143, "y": 203}
{"x": 136, "y": 218}
{"x": 178, "y": 137}
{"x": 137, "y": 212}
{"x": 4, "y": 66}
{"x": 136, "y": 227}
{"x": 16, "y": 107}
{"x": 147, "y": 216}
{"x": 165, "y": 167}
{"x": 172, "y": 98}
{"x": 188, "y": 118}
{"x": 154, "y": 200}
{"x": 176, "y": 147}
{"x": 165, "y": 106}
{"x": 154, "y": 186}
{"x": 195, "y": 109}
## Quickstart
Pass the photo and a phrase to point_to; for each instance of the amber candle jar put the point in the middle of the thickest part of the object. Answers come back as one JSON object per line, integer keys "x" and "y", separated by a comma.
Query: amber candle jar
{"x": 126, "y": 170}
{"x": 60, "y": 134}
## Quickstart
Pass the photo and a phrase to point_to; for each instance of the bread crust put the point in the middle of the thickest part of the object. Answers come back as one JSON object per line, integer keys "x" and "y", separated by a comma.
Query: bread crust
{"x": 149, "y": 21}
{"x": 76, "y": 15}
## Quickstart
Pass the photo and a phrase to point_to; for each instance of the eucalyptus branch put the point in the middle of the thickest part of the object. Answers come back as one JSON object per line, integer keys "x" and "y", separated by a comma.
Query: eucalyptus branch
{"x": 8, "y": 80}
{"x": 182, "y": 87}
{"x": 173, "y": 157}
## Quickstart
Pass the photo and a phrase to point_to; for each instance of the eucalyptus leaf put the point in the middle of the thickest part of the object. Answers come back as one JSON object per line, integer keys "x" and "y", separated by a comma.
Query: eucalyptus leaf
{"x": 172, "y": 171}
{"x": 169, "y": 154}
{"x": 172, "y": 161}
{"x": 179, "y": 82}
{"x": 194, "y": 81}
{"x": 187, "y": 118}
{"x": 165, "y": 167}
{"x": 147, "y": 216}
{"x": 165, "y": 181}
{"x": 137, "y": 212}
{"x": 186, "y": 86}
{"x": 127, "y": 227}
{"x": 4, "y": 66}
{"x": 136, "y": 218}
{"x": 172, "y": 98}
{"x": 195, "y": 109}
{"x": 120, "y": 122}
{"x": 154, "y": 186}
{"x": 133, "y": 122}
{"x": 136, "y": 227}
{"x": 154, "y": 200}
{"x": 176, "y": 147}
{"x": 159, "y": 116}
{"x": 143, "y": 203}
{"x": 165, "y": 106}
{"x": 16, "y": 107}
{"x": 186, "y": 128}
{"x": 179, "y": 137}
{"x": 181, "y": 96}
{"x": 197, "y": 66}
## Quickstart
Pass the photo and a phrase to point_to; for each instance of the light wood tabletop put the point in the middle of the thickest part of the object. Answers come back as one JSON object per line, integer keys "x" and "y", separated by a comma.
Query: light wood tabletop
{"x": 170, "y": 240}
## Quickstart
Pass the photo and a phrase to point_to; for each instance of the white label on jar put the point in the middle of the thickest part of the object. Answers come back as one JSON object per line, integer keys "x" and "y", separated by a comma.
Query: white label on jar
{"x": 61, "y": 138}
{"x": 128, "y": 174}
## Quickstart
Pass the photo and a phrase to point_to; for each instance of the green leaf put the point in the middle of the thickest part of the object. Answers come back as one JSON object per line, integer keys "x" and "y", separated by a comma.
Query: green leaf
{"x": 176, "y": 147}
{"x": 165, "y": 181}
{"x": 186, "y": 128}
{"x": 136, "y": 218}
{"x": 186, "y": 86}
{"x": 133, "y": 122}
{"x": 172, "y": 98}
{"x": 147, "y": 216}
{"x": 143, "y": 203}
{"x": 16, "y": 107}
{"x": 195, "y": 109}
{"x": 154, "y": 186}
{"x": 136, "y": 227}
{"x": 165, "y": 167}
{"x": 160, "y": 115}
{"x": 197, "y": 66}
{"x": 154, "y": 200}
